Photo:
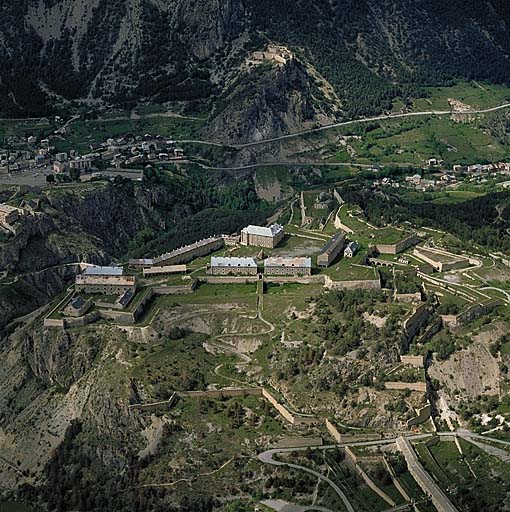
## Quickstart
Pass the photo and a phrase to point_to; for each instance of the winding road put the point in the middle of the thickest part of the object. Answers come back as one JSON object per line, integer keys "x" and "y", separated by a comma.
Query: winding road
{"x": 383, "y": 117}
{"x": 267, "y": 457}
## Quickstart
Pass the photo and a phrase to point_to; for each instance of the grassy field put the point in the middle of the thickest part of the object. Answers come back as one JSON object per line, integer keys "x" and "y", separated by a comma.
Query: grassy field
{"x": 476, "y": 95}
{"x": 414, "y": 141}
{"x": 26, "y": 128}
{"x": 85, "y": 133}
{"x": 350, "y": 269}
{"x": 452, "y": 472}
{"x": 442, "y": 197}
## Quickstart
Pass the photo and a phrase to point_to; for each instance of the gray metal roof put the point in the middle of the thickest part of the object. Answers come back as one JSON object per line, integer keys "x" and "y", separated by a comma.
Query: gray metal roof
{"x": 77, "y": 303}
{"x": 332, "y": 243}
{"x": 271, "y": 231}
{"x": 103, "y": 271}
{"x": 288, "y": 262}
{"x": 218, "y": 261}
{"x": 353, "y": 246}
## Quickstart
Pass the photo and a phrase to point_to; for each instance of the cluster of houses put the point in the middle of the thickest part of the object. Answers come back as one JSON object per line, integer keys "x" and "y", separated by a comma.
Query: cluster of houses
{"x": 439, "y": 179}
{"x": 122, "y": 151}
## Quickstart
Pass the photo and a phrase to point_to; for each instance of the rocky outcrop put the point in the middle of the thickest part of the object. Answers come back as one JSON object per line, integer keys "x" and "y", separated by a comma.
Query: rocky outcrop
{"x": 267, "y": 101}
{"x": 49, "y": 380}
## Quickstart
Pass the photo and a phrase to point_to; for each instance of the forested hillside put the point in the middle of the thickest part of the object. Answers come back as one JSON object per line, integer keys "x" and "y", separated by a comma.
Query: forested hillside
{"x": 121, "y": 51}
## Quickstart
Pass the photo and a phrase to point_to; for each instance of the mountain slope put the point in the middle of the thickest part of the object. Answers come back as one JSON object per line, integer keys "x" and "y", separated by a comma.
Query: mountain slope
{"x": 171, "y": 50}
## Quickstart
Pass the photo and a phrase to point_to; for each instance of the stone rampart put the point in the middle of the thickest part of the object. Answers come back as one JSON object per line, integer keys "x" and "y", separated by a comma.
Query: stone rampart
{"x": 401, "y": 386}
{"x": 423, "y": 415}
{"x": 372, "y": 284}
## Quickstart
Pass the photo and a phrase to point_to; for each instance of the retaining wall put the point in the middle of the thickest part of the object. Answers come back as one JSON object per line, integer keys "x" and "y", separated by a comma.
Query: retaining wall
{"x": 423, "y": 415}
{"x": 228, "y": 279}
{"x": 295, "y": 279}
{"x": 52, "y": 322}
{"x": 299, "y": 442}
{"x": 374, "y": 284}
{"x": 399, "y": 246}
{"x": 401, "y": 386}
{"x": 416, "y": 361}
{"x": 470, "y": 313}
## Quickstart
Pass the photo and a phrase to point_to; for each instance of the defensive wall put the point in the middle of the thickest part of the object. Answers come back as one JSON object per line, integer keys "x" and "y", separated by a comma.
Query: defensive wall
{"x": 471, "y": 312}
{"x": 442, "y": 260}
{"x": 407, "y": 297}
{"x": 413, "y": 324}
{"x": 423, "y": 415}
{"x": 369, "y": 284}
{"x": 416, "y": 361}
{"x": 402, "y": 386}
{"x": 399, "y": 246}
{"x": 373, "y": 486}
{"x": 124, "y": 317}
{"x": 339, "y": 224}
{"x": 396, "y": 481}
{"x": 423, "y": 479}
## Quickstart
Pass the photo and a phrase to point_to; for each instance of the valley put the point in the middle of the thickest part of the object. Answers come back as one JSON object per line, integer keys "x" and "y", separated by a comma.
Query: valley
{"x": 254, "y": 257}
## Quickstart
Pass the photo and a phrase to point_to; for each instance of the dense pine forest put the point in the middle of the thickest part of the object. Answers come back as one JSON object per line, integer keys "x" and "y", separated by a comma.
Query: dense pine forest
{"x": 370, "y": 51}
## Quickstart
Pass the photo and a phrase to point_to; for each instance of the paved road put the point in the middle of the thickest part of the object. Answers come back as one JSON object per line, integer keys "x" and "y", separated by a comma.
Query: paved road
{"x": 295, "y": 164}
{"x": 501, "y": 454}
{"x": 283, "y": 506}
{"x": 267, "y": 458}
{"x": 504, "y": 292}
{"x": 439, "y": 498}
{"x": 349, "y": 123}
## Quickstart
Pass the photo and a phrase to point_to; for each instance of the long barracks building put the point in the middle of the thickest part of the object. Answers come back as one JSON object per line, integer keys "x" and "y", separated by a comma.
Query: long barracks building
{"x": 183, "y": 254}
{"x": 233, "y": 266}
{"x": 288, "y": 266}
{"x": 331, "y": 250}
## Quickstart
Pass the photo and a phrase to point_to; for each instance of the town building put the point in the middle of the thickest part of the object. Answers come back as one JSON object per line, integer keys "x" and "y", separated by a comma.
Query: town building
{"x": 61, "y": 157}
{"x": 286, "y": 266}
{"x": 259, "y": 236}
{"x": 331, "y": 250}
{"x": 80, "y": 163}
{"x": 351, "y": 249}
{"x": 105, "y": 284}
{"x": 77, "y": 307}
{"x": 59, "y": 167}
{"x": 233, "y": 266}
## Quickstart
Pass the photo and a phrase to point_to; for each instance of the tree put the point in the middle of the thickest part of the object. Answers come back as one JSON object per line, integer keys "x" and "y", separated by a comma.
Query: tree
{"x": 75, "y": 174}
{"x": 50, "y": 178}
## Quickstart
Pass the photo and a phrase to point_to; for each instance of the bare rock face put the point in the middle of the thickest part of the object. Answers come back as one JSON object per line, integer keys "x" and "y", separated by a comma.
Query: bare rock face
{"x": 50, "y": 379}
{"x": 267, "y": 101}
